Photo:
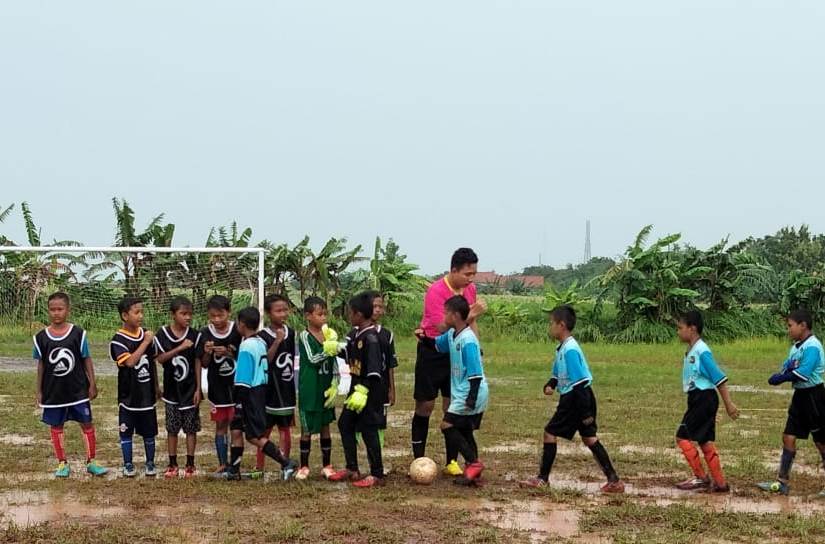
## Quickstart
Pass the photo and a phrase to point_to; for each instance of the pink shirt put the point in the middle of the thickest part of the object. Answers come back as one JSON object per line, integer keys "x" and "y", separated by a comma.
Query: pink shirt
{"x": 434, "y": 300}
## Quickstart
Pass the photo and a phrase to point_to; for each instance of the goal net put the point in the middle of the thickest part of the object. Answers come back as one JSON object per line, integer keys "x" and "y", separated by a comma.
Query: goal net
{"x": 96, "y": 278}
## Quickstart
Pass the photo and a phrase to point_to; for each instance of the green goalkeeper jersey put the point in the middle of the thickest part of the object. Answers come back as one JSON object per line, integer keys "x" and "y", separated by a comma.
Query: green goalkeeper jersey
{"x": 316, "y": 373}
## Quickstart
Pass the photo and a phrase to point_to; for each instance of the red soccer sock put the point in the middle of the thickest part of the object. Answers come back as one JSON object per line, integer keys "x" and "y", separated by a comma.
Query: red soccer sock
{"x": 714, "y": 463}
{"x": 57, "y": 443}
{"x": 90, "y": 441}
{"x": 260, "y": 458}
{"x": 285, "y": 440}
{"x": 692, "y": 457}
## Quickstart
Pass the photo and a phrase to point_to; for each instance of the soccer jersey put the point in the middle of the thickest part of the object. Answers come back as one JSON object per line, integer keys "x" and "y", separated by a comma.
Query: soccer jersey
{"x": 179, "y": 382}
{"x": 135, "y": 385}
{"x": 437, "y": 294}
{"x": 700, "y": 370}
{"x": 807, "y": 362}
{"x": 315, "y": 373}
{"x": 387, "y": 341}
{"x": 570, "y": 367}
{"x": 252, "y": 366}
{"x": 220, "y": 370}
{"x": 65, "y": 382}
{"x": 281, "y": 395}
{"x": 465, "y": 365}
{"x": 365, "y": 362}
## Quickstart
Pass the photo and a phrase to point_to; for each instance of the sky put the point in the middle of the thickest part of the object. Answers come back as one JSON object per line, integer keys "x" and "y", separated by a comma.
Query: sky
{"x": 502, "y": 125}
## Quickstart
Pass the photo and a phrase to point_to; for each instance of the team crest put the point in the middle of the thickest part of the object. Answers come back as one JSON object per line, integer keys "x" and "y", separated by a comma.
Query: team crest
{"x": 62, "y": 361}
{"x": 360, "y": 344}
{"x": 123, "y": 428}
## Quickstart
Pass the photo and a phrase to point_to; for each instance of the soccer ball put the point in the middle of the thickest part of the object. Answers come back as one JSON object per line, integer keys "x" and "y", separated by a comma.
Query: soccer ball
{"x": 423, "y": 471}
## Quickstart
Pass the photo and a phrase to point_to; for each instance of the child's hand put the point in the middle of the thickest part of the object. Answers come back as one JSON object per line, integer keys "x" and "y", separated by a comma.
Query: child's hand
{"x": 548, "y": 390}
{"x": 197, "y": 398}
{"x": 280, "y": 334}
{"x": 733, "y": 411}
{"x": 93, "y": 391}
{"x": 419, "y": 333}
{"x": 220, "y": 351}
{"x": 392, "y": 397}
{"x": 38, "y": 399}
{"x": 208, "y": 347}
{"x": 186, "y": 344}
{"x": 148, "y": 336}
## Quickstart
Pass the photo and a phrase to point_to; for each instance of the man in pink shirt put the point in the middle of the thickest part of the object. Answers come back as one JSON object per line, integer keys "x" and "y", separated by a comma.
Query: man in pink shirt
{"x": 432, "y": 369}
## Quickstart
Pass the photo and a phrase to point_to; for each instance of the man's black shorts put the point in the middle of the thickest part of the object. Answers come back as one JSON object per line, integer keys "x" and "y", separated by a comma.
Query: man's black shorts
{"x": 250, "y": 413}
{"x": 472, "y": 422}
{"x": 806, "y": 415}
{"x": 576, "y": 412}
{"x": 432, "y": 373}
{"x": 699, "y": 421}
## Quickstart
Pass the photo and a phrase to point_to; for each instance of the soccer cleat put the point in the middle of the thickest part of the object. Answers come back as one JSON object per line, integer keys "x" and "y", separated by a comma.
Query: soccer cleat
{"x": 327, "y": 471}
{"x": 94, "y": 468}
{"x": 171, "y": 472}
{"x": 693, "y": 484}
{"x": 220, "y": 470}
{"x": 289, "y": 469}
{"x": 613, "y": 487}
{"x": 256, "y": 474}
{"x": 150, "y": 471}
{"x": 129, "y": 470}
{"x": 369, "y": 481}
{"x": 534, "y": 482}
{"x": 302, "y": 473}
{"x": 452, "y": 469}
{"x": 63, "y": 470}
{"x": 190, "y": 472}
{"x": 473, "y": 470}
{"x": 774, "y": 486}
{"x": 714, "y": 488}
{"x": 343, "y": 475}
{"x": 464, "y": 482}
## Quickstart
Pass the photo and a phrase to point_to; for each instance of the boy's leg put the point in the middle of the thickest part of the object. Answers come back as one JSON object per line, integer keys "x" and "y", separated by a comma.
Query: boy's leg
{"x": 236, "y": 452}
{"x": 469, "y": 436}
{"x": 456, "y": 440}
{"x": 787, "y": 457}
{"x": 191, "y": 444}
{"x": 284, "y": 439}
{"x": 221, "y": 442}
{"x": 714, "y": 464}
{"x": 191, "y": 426}
{"x": 691, "y": 455}
{"x": 601, "y": 457}
{"x": 127, "y": 433}
{"x": 260, "y": 458}
{"x": 173, "y": 428}
{"x": 346, "y": 426}
{"x": 89, "y": 440}
{"x": 58, "y": 438}
{"x": 373, "y": 446}
{"x": 326, "y": 446}
{"x": 305, "y": 446}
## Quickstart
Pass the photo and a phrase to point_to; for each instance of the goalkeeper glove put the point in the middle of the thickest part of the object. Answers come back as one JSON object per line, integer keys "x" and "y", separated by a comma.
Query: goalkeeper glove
{"x": 331, "y": 344}
{"x": 358, "y": 399}
{"x": 329, "y": 394}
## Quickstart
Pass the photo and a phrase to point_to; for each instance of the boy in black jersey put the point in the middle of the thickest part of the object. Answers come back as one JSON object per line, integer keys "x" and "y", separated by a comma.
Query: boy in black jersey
{"x": 175, "y": 350}
{"x": 132, "y": 351}
{"x": 216, "y": 351}
{"x": 65, "y": 383}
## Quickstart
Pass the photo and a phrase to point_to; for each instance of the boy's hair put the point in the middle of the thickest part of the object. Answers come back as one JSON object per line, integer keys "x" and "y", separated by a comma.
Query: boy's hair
{"x": 269, "y": 300}
{"x": 218, "y": 302}
{"x": 693, "y": 318}
{"x": 250, "y": 317}
{"x": 60, "y": 295}
{"x": 178, "y": 303}
{"x": 459, "y": 305}
{"x": 801, "y": 315}
{"x": 564, "y": 314}
{"x": 374, "y": 294}
{"x": 362, "y": 304}
{"x": 126, "y": 304}
{"x": 462, "y": 257}
{"x": 314, "y": 302}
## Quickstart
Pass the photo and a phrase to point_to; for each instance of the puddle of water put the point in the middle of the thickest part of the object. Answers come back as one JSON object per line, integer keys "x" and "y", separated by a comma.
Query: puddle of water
{"x": 17, "y": 439}
{"x": 33, "y": 507}
{"x": 753, "y": 389}
{"x": 512, "y": 447}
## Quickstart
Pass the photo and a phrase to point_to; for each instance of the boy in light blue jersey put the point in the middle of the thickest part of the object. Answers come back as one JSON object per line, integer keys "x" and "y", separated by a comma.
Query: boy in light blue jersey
{"x": 251, "y": 378}
{"x": 468, "y": 386}
{"x": 576, "y": 411}
{"x": 701, "y": 379}
{"x": 806, "y": 415}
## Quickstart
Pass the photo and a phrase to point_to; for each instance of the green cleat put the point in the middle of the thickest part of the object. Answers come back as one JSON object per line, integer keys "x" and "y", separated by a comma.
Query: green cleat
{"x": 63, "y": 470}
{"x": 94, "y": 468}
{"x": 774, "y": 486}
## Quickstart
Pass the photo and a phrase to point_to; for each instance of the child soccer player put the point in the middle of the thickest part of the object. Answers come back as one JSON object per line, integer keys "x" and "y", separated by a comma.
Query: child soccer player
{"x": 66, "y": 382}
{"x": 281, "y": 395}
{"x": 175, "y": 346}
{"x": 137, "y": 384}
{"x": 469, "y": 390}
{"x": 250, "y": 395}
{"x": 701, "y": 378}
{"x": 364, "y": 408}
{"x": 390, "y": 361}
{"x": 216, "y": 351}
{"x": 576, "y": 411}
{"x": 317, "y": 387}
{"x": 806, "y": 415}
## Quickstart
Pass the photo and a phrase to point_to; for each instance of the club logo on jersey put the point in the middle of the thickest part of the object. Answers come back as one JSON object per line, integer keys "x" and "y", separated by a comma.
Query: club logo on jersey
{"x": 226, "y": 366}
{"x": 355, "y": 367}
{"x": 283, "y": 364}
{"x": 62, "y": 361}
{"x": 142, "y": 368}
{"x": 180, "y": 367}
{"x": 360, "y": 344}
{"x": 693, "y": 359}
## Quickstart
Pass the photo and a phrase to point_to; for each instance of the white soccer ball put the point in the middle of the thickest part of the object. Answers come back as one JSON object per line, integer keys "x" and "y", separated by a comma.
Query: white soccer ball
{"x": 423, "y": 471}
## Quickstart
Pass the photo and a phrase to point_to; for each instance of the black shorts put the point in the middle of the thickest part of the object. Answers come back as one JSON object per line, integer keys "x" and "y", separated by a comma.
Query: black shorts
{"x": 383, "y": 424}
{"x": 177, "y": 420}
{"x": 281, "y": 421}
{"x": 806, "y": 414}
{"x": 576, "y": 412}
{"x": 142, "y": 422}
{"x": 699, "y": 421}
{"x": 472, "y": 422}
{"x": 432, "y": 374}
{"x": 250, "y": 413}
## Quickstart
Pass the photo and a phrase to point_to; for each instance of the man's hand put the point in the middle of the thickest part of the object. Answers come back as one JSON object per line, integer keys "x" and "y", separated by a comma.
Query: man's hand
{"x": 477, "y": 309}
{"x": 92, "y": 391}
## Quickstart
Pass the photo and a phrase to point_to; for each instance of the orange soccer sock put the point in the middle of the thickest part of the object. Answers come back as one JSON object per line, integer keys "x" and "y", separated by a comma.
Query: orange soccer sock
{"x": 714, "y": 463}
{"x": 692, "y": 457}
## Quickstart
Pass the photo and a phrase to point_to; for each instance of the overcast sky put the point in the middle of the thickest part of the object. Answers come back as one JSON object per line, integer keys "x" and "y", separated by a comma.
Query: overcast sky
{"x": 498, "y": 125}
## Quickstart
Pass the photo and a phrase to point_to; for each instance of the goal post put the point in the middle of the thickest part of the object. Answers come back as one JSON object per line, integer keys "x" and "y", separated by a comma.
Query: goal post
{"x": 97, "y": 277}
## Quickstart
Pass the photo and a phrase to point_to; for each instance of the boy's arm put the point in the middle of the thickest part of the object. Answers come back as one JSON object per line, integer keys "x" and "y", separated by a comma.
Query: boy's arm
{"x": 273, "y": 348}
{"x": 89, "y": 366}
{"x": 197, "y": 397}
{"x": 471, "y": 356}
{"x": 730, "y": 407}
{"x": 392, "y": 363}
{"x": 312, "y": 357}
{"x": 793, "y": 374}
{"x": 166, "y": 356}
{"x": 38, "y": 386}
{"x": 125, "y": 358}
{"x": 392, "y": 387}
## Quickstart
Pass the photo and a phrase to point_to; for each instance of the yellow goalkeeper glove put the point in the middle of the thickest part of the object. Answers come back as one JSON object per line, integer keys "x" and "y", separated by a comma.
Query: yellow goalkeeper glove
{"x": 358, "y": 399}
{"x": 329, "y": 394}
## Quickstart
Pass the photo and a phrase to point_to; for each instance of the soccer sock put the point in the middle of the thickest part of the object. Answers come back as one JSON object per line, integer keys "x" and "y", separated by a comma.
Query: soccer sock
{"x": 271, "y": 450}
{"x": 326, "y": 451}
{"x": 260, "y": 458}
{"x": 190, "y": 460}
{"x": 347, "y": 430}
{"x": 469, "y": 436}
{"x": 381, "y": 438}
{"x": 714, "y": 463}
{"x": 126, "y": 449}
{"x": 603, "y": 459}
{"x": 91, "y": 443}
{"x": 235, "y": 456}
{"x": 57, "y": 443}
{"x": 173, "y": 460}
{"x": 548, "y": 456}
{"x": 453, "y": 436}
{"x": 285, "y": 440}
{"x": 785, "y": 464}
{"x": 149, "y": 446}
{"x": 305, "y": 446}
{"x": 220, "y": 448}
{"x": 373, "y": 446}
{"x": 420, "y": 428}
{"x": 692, "y": 457}
{"x": 451, "y": 453}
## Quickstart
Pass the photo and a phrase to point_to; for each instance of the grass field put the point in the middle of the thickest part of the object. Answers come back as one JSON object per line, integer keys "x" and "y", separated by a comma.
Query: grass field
{"x": 640, "y": 405}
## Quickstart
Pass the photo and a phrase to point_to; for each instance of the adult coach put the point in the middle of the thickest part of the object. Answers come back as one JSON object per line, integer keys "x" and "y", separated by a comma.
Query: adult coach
{"x": 432, "y": 369}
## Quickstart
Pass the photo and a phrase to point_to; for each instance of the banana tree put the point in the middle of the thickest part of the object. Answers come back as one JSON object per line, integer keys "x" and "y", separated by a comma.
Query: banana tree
{"x": 391, "y": 275}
